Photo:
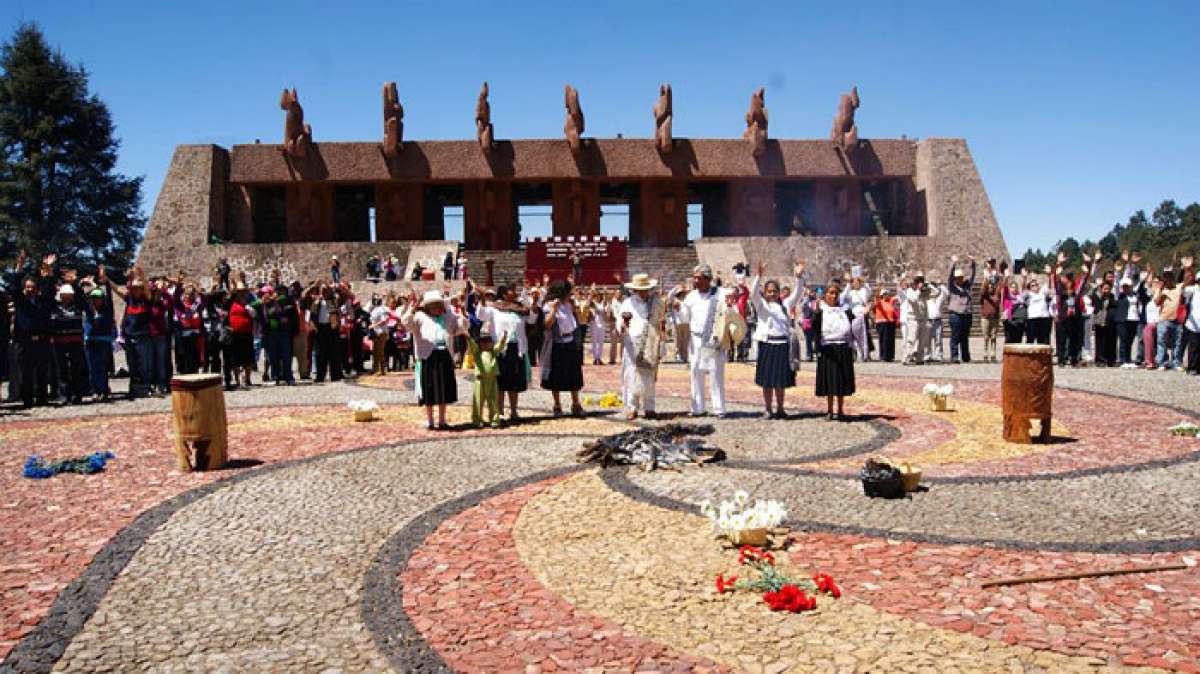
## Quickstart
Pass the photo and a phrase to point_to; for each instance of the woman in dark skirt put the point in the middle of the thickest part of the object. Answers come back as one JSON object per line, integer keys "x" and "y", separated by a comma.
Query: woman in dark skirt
{"x": 562, "y": 355}
{"x": 835, "y": 362}
{"x": 509, "y": 318}
{"x": 433, "y": 327}
{"x": 775, "y": 366}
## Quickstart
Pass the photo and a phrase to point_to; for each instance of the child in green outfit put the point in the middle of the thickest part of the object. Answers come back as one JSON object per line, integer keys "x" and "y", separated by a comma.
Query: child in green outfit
{"x": 487, "y": 369}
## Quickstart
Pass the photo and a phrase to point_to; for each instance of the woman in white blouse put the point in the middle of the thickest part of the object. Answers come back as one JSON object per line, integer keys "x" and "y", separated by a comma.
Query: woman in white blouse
{"x": 1037, "y": 310}
{"x": 433, "y": 327}
{"x": 508, "y": 318}
{"x": 835, "y": 364}
{"x": 773, "y": 369}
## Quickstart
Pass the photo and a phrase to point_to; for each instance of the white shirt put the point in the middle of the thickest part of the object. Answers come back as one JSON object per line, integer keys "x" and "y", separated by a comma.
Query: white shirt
{"x": 640, "y": 312}
{"x": 696, "y": 306}
{"x": 774, "y": 318}
{"x": 856, "y": 299}
{"x": 380, "y": 315}
{"x": 1192, "y": 298}
{"x": 937, "y": 299}
{"x": 564, "y": 316}
{"x": 508, "y": 323}
{"x": 835, "y": 326}
{"x": 1037, "y": 305}
{"x": 427, "y": 333}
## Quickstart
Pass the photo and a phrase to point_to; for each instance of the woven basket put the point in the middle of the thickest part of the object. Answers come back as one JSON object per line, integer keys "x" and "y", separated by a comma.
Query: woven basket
{"x": 910, "y": 476}
{"x": 364, "y": 415}
{"x": 754, "y": 537}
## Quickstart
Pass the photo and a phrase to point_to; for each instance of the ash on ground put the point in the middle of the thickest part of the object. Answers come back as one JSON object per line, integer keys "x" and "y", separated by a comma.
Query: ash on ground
{"x": 667, "y": 447}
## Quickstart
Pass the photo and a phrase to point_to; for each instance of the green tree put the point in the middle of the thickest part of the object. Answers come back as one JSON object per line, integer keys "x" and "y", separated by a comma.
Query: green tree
{"x": 59, "y": 192}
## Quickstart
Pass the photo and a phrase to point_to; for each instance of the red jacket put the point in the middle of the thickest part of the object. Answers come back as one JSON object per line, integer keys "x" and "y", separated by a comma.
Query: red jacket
{"x": 241, "y": 321}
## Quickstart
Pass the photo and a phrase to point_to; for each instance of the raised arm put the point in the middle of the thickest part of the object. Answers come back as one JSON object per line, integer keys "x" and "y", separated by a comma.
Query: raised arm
{"x": 799, "y": 290}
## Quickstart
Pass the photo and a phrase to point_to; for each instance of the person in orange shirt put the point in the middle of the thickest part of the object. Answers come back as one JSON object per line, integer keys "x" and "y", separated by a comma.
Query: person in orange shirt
{"x": 887, "y": 316}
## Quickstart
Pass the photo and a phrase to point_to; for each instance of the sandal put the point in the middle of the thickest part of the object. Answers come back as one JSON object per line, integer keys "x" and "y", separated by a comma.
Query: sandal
{"x": 577, "y": 410}
{"x": 557, "y": 412}
{"x": 629, "y": 416}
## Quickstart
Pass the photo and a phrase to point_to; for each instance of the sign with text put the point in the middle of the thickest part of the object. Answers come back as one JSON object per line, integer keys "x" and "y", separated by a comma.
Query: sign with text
{"x": 599, "y": 258}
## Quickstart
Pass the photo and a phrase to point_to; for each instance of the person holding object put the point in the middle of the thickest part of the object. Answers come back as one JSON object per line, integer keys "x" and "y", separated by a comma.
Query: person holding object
{"x": 562, "y": 354}
{"x": 958, "y": 304}
{"x": 641, "y": 320}
{"x": 433, "y": 327}
{"x": 776, "y": 365}
{"x": 835, "y": 364}
{"x": 713, "y": 330}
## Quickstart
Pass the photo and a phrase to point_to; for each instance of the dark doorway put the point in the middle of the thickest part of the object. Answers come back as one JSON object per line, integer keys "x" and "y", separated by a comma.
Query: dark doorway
{"x": 352, "y": 212}
{"x": 713, "y": 198}
{"x": 269, "y": 214}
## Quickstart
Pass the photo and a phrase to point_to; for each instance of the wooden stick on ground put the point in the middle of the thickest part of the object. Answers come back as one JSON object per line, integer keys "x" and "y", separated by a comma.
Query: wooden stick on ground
{"x": 1020, "y": 580}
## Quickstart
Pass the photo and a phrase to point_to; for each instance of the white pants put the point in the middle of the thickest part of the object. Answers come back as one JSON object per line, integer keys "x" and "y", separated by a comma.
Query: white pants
{"x": 858, "y": 330}
{"x": 935, "y": 334}
{"x": 916, "y": 340}
{"x": 1088, "y": 352}
{"x": 637, "y": 386}
{"x": 716, "y": 383}
{"x": 597, "y": 331}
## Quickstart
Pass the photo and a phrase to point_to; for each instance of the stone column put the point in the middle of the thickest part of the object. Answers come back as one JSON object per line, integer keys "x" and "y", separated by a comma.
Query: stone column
{"x": 576, "y": 208}
{"x": 752, "y": 207}
{"x": 663, "y": 219}
{"x": 488, "y": 222}
{"x": 309, "y": 212}
{"x": 399, "y": 211}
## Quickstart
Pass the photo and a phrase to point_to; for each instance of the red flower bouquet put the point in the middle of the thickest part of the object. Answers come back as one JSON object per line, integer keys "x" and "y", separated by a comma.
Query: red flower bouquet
{"x": 780, "y": 593}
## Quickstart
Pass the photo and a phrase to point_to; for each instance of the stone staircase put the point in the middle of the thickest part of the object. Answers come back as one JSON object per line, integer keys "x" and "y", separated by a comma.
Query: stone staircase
{"x": 509, "y": 267}
{"x": 671, "y": 266}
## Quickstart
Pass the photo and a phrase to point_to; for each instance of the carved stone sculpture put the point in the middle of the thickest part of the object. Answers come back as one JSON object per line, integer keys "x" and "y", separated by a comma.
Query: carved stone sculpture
{"x": 845, "y": 132}
{"x": 573, "y": 127}
{"x": 662, "y": 119}
{"x": 483, "y": 121}
{"x": 756, "y": 123}
{"x": 297, "y": 136}
{"x": 393, "y": 121}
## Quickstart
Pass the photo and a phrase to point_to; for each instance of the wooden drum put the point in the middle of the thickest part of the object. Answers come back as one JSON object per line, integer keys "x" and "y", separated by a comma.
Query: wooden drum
{"x": 198, "y": 407}
{"x": 1027, "y": 389}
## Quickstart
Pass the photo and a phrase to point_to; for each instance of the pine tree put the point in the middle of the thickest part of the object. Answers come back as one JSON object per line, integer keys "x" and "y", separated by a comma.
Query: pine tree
{"x": 59, "y": 192}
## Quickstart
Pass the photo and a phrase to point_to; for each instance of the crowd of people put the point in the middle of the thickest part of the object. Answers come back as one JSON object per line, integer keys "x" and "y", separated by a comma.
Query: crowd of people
{"x": 60, "y": 330}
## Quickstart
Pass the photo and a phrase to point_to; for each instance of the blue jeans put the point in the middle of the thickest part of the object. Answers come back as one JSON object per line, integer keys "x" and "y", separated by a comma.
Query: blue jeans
{"x": 139, "y": 352}
{"x": 279, "y": 352}
{"x": 97, "y": 363}
{"x": 1168, "y": 344}
{"x": 161, "y": 363}
{"x": 960, "y": 335}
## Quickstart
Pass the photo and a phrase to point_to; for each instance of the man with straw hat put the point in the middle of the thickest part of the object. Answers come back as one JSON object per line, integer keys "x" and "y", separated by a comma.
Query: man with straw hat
{"x": 640, "y": 320}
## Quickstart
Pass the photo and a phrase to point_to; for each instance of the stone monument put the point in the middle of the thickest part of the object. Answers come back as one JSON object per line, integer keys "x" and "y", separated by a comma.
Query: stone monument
{"x": 483, "y": 121}
{"x": 393, "y": 121}
{"x": 297, "y": 136}
{"x": 756, "y": 123}
{"x": 662, "y": 119}
{"x": 845, "y": 132}
{"x": 573, "y": 126}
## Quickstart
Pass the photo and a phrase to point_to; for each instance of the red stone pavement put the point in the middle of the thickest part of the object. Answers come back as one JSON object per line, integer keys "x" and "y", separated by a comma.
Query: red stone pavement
{"x": 467, "y": 592}
{"x": 1102, "y": 617}
{"x": 53, "y": 528}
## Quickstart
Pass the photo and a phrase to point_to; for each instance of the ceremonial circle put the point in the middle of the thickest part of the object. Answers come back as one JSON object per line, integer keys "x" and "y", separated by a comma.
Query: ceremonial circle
{"x": 364, "y": 547}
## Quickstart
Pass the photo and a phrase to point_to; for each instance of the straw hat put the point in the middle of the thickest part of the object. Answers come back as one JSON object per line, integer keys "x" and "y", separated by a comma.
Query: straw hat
{"x": 641, "y": 282}
{"x": 432, "y": 297}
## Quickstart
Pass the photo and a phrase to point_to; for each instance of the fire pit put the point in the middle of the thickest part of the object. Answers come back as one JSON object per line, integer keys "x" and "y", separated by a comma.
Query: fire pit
{"x": 666, "y": 447}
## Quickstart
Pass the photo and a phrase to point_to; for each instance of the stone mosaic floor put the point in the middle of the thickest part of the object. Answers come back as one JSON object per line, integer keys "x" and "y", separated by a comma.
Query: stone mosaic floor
{"x": 334, "y": 546}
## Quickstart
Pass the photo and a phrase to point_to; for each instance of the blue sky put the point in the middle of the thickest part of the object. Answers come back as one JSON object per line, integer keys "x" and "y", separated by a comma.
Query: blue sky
{"x": 1077, "y": 113}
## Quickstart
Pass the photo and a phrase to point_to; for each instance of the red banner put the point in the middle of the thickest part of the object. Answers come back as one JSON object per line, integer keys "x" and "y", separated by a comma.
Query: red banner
{"x": 600, "y": 258}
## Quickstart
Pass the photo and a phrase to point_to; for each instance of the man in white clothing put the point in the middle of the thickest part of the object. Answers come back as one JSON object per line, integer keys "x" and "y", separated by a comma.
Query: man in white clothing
{"x": 702, "y": 310}
{"x": 936, "y": 302}
{"x": 640, "y": 320}
{"x": 915, "y": 300}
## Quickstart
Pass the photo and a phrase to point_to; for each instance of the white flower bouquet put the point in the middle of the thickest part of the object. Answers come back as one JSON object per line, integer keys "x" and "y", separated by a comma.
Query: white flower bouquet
{"x": 938, "y": 395}
{"x": 364, "y": 410}
{"x": 742, "y": 523}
